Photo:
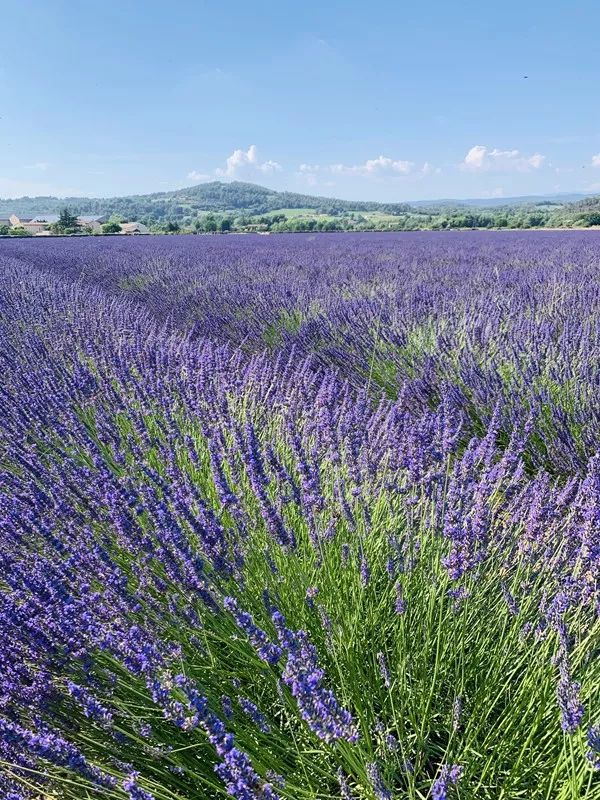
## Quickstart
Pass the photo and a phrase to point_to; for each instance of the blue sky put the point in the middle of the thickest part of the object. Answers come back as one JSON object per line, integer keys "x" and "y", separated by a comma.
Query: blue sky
{"x": 384, "y": 101}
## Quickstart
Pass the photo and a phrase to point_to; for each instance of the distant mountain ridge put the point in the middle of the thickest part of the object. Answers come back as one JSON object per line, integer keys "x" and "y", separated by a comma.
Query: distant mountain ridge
{"x": 491, "y": 202}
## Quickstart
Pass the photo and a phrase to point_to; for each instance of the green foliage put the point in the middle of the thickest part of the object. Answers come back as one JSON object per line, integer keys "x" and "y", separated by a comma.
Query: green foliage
{"x": 67, "y": 223}
{"x": 111, "y": 227}
{"x": 19, "y": 232}
{"x": 206, "y": 224}
{"x": 4, "y": 230}
{"x": 246, "y": 206}
{"x": 590, "y": 218}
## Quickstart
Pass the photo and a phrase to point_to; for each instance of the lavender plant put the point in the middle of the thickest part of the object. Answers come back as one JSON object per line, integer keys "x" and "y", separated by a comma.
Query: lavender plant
{"x": 231, "y": 572}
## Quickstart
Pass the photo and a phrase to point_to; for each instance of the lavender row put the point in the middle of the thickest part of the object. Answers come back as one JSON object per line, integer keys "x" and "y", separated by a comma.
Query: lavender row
{"x": 510, "y": 317}
{"x": 225, "y": 573}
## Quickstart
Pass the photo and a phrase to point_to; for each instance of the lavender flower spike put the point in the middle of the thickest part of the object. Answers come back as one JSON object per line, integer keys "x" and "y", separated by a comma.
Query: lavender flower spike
{"x": 318, "y": 706}
{"x": 449, "y": 776}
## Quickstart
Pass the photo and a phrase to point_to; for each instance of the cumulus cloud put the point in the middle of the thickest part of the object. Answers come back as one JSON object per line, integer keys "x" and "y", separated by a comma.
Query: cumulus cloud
{"x": 596, "y": 160}
{"x": 194, "y": 175}
{"x": 241, "y": 161}
{"x": 429, "y": 169}
{"x": 377, "y": 168}
{"x": 308, "y": 168}
{"x": 373, "y": 167}
{"x": 481, "y": 158}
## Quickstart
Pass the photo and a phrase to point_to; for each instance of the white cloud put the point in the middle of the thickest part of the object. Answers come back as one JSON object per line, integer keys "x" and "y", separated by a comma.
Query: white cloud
{"x": 42, "y": 166}
{"x": 480, "y": 158}
{"x": 376, "y": 168}
{"x": 373, "y": 167}
{"x": 429, "y": 169}
{"x": 536, "y": 160}
{"x": 596, "y": 160}
{"x": 194, "y": 175}
{"x": 246, "y": 161}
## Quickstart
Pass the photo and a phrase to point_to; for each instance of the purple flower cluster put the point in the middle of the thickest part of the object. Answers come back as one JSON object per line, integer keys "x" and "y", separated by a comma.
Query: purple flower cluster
{"x": 257, "y": 717}
{"x": 135, "y": 791}
{"x": 266, "y": 649}
{"x": 159, "y": 470}
{"x": 52, "y": 748}
{"x": 593, "y": 742}
{"x": 380, "y": 790}
{"x": 318, "y": 706}
{"x": 449, "y": 776}
{"x": 235, "y": 769}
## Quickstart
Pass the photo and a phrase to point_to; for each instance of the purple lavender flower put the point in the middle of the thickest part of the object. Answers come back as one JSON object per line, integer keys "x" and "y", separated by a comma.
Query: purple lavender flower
{"x": 448, "y": 776}
{"x": 384, "y": 671}
{"x": 275, "y": 778}
{"x": 400, "y": 605}
{"x": 257, "y": 717}
{"x": 51, "y": 747}
{"x": 311, "y": 593}
{"x": 593, "y": 743}
{"x": 345, "y": 792}
{"x": 235, "y": 770}
{"x": 318, "y": 706}
{"x": 365, "y": 572}
{"x": 380, "y": 790}
{"x": 135, "y": 791}
{"x": 509, "y": 600}
{"x": 91, "y": 707}
{"x": 345, "y": 554}
{"x": 227, "y": 706}
{"x": 267, "y": 651}
{"x": 569, "y": 702}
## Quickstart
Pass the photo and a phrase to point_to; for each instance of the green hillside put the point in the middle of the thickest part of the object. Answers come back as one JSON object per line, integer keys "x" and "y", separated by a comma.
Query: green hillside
{"x": 181, "y": 204}
{"x": 238, "y": 206}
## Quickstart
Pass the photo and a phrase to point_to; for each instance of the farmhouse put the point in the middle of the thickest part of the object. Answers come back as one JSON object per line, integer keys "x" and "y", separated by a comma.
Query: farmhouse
{"x": 133, "y": 228}
{"x": 42, "y": 222}
{"x": 93, "y": 223}
{"x": 39, "y": 224}
{"x": 17, "y": 221}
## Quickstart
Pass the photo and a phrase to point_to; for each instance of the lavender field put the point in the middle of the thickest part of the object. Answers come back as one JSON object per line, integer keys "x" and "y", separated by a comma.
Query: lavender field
{"x": 300, "y": 517}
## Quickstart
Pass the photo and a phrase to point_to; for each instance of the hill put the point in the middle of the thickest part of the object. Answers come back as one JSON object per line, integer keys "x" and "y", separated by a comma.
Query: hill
{"x": 246, "y": 206}
{"x": 235, "y": 197}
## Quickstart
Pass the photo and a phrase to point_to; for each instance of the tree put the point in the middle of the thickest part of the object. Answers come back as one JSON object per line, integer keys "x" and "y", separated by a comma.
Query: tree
{"x": 19, "y": 232}
{"x": 67, "y": 223}
{"x": 67, "y": 220}
{"x": 172, "y": 227}
{"x": 589, "y": 219}
{"x": 4, "y": 230}
{"x": 207, "y": 224}
{"x": 111, "y": 227}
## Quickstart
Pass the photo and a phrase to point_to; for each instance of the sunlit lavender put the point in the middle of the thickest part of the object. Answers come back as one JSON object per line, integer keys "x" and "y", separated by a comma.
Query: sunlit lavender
{"x": 300, "y": 517}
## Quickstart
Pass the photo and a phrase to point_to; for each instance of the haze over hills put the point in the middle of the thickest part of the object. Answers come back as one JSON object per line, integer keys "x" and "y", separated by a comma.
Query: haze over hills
{"x": 485, "y": 202}
{"x": 248, "y": 203}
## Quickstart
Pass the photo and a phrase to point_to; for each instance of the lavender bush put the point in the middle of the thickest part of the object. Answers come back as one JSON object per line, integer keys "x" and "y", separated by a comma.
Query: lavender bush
{"x": 296, "y": 518}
